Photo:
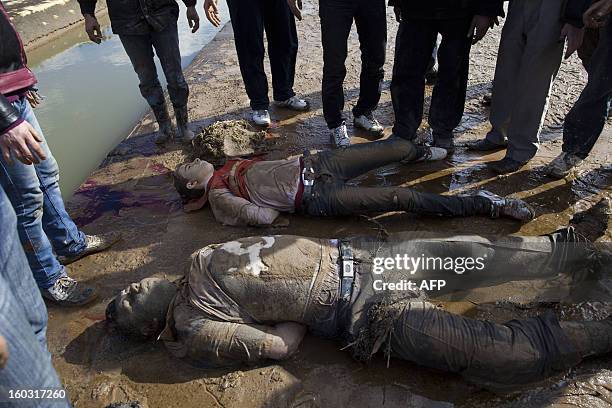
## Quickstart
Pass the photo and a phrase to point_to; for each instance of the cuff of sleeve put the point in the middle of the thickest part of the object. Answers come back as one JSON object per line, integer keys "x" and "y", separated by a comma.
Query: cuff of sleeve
{"x": 12, "y": 126}
{"x": 88, "y": 8}
{"x": 190, "y": 3}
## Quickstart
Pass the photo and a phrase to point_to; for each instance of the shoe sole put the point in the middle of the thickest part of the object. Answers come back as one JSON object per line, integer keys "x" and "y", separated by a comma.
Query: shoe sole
{"x": 89, "y": 300}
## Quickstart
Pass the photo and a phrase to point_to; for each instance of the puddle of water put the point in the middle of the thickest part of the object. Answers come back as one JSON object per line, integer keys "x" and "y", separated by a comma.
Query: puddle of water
{"x": 92, "y": 97}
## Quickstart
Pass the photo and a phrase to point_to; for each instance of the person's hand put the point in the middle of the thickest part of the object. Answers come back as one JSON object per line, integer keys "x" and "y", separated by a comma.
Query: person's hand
{"x": 24, "y": 143}
{"x": 4, "y": 353}
{"x": 212, "y": 12}
{"x": 296, "y": 8}
{"x": 34, "y": 98}
{"x": 595, "y": 16}
{"x": 193, "y": 18}
{"x": 479, "y": 27}
{"x": 398, "y": 13}
{"x": 92, "y": 28}
{"x": 574, "y": 37}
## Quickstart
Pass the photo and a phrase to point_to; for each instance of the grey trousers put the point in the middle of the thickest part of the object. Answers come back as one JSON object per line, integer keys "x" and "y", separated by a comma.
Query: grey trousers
{"x": 529, "y": 58}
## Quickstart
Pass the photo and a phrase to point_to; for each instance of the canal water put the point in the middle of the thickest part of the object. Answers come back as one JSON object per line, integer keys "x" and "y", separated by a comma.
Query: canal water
{"x": 92, "y": 100}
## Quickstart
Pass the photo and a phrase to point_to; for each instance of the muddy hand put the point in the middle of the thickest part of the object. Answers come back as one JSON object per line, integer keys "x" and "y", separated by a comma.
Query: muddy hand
{"x": 34, "y": 98}
{"x": 193, "y": 19}
{"x": 212, "y": 12}
{"x": 296, "y": 8}
{"x": 4, "y": 353}
{"x": 92, "y": 27}
{"x": 23, "y": 142}
{"x": 574, "y": 37}
{"x": 597, "y": 14}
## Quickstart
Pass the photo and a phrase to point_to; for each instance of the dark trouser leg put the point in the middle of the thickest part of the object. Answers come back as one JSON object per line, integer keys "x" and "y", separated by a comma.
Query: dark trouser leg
{"x": 356, "y": 160}
{"x": 166, "y": 45}
{"x": 282, "y": 47}
{"x": 371, "y": 21}
{"x": 248, "y": 24}
{"x": 585, "y": 122}
{"x": 336, "y": 21}
{"x": 331, "y": 199}
{"x": 448, "y": 98}
{"x": 414, "y": 46}
{"x": 518, "y": 352}
{"x": 140, "y": 50}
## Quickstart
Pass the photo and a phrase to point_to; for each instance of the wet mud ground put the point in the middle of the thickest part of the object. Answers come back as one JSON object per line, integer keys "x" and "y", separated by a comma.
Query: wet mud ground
{"x": 132, "y": 192}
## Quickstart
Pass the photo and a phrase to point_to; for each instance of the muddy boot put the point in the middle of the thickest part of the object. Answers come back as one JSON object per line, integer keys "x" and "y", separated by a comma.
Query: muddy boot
{"x": 165, "y": 132}
{"x": 593, "y": 222}
{"x": 182, "y": 124}
{"x": 590, "y": 338}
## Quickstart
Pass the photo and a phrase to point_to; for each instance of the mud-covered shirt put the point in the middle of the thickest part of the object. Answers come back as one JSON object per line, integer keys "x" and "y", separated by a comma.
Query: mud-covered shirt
{"x": 234, "y": 292}
{"x": 272, "y": 187}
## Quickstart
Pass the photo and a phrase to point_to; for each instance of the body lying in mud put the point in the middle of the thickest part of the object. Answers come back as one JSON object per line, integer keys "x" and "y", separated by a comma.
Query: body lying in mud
{"x": 255, "y": 192}
{"x": 253, "y": 299}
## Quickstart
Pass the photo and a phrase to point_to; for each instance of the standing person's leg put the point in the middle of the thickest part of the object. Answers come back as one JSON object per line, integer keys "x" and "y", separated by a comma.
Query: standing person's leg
{"x": 414, "y": 45}
{"x": 448, "y": 98}
{"x": 540, "y": 63}
{"x": 248, "y": 24}
{"x": 371, "y": 22}
{"x": 166, "y": 44}
{"x": 336, "y": 21}
{"x": 139, "y": 49}
{"x": 23, "y": 319}
{"x": 586, "y": 120}
{"x": 517, "y": 352}
{"x": 24, "y": 188}
{"x": 282, "y": 37}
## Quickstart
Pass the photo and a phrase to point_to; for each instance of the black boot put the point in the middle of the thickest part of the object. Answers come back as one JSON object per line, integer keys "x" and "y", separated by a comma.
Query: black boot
{"x": 182, "y": 124}
{"x": 165, "y": 132}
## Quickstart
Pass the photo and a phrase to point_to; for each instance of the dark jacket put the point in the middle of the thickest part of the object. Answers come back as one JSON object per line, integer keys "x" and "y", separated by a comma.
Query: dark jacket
{"x": 14, "y": 73}
{"x": 134, "y": 17}
{"x": 443, "y": 9}
{"x": 574, "y": 10}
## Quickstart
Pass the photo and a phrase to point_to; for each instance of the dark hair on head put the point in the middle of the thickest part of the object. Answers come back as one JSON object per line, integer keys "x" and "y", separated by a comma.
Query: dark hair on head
{"x": 187, "y": 194}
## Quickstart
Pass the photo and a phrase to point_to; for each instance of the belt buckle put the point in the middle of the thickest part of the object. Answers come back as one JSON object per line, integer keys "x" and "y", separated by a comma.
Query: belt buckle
{"x": 305, "y": 172}
{"x": 348, "y": 270}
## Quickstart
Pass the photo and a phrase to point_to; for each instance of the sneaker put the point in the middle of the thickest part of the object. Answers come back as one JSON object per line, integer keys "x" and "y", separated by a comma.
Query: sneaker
{"x": 294, "y": 103}
{"x": 94, "y": 243}
{"x": 368, "y": 123}
{"x": 67, "y": 292}
{"x": 507, "y": 207}
{"x": 261, "y": 117}
{"x": 339, "y": 136}
{"x": 505, "y": 165}
{"x": 485, "y": 145}
{"x": 431, "y": 153}
{"x": 165, "y": 133}
{"x": 562, "y": 165}
{"x": 446, "y": 143}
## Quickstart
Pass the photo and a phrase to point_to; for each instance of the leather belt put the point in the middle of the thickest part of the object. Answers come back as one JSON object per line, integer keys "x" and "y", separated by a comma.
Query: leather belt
{"x": 347, "y": 270}
{"x": 308, "y": 176}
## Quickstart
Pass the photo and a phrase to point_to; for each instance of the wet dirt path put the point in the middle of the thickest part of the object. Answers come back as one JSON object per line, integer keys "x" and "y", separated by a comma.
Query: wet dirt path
{"x": 132, "y": 192}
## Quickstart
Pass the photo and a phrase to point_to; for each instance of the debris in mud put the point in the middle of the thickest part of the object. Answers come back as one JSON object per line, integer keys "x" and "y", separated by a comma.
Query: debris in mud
{"x": 133, "y": 404}
{"x": 230, "y": 138}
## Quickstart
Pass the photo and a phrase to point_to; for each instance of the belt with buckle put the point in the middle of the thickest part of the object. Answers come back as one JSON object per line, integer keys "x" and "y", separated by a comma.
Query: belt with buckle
{"x": 347, "y": 271}
{"x": 308, "y": 176}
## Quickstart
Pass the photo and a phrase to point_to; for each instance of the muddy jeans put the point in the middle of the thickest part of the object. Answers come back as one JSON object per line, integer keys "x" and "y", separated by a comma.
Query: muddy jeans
{"x": 585, "y": 122}
{"x": 517, "y": 352}
{"x": 23, "y": 320}
{"x": 330, "y": 195}
{"x": 166, "y": 44}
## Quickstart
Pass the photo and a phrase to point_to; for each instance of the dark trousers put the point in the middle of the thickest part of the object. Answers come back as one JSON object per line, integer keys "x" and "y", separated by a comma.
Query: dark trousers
{"x": 336, "y": 21}
{"x": 166, "y": 44}
{"x": 586, "y": 120}
{"x": 331, "y": 196}
{"x": 249, "y": 20}
{"x": 414, "y": 45}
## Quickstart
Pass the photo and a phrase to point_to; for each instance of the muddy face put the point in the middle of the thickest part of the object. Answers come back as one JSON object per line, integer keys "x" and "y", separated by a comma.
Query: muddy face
{"x": 197, "y": 173}
{"x": 140, "y": 309}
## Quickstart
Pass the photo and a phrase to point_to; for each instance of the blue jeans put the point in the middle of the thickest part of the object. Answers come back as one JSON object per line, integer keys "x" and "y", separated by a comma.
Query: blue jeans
{"x": 585, "y": 122}
{"x": 23, "y": 320}
{"x": 42, "y": 221}
{"x": 140, "y": 50}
